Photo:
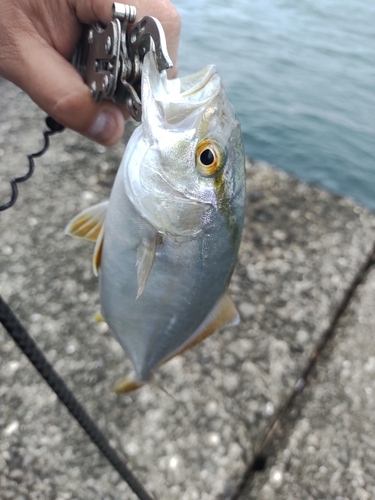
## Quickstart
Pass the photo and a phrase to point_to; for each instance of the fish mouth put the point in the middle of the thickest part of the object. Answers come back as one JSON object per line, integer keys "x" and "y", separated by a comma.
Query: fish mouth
{"x": 188, "y": 97}
{"x": 174, "y": 100}
{"x": 196, "y": 82}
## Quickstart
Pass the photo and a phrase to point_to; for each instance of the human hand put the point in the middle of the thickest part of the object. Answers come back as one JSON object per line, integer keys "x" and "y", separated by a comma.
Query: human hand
{"x": 38, "y": 37}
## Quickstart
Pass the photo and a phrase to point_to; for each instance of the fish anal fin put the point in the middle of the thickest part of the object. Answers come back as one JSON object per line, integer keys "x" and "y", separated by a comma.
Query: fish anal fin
{"x": 98, "y": 318}
{"x": 89, "y": 223}
{"x": 98, "y": 252}
{"x": 223, "y": 314}
{"x": 145, "y": 260}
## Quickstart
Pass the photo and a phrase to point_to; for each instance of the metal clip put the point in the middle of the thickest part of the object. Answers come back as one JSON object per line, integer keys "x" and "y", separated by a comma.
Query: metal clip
{"x": 110, "y": 58}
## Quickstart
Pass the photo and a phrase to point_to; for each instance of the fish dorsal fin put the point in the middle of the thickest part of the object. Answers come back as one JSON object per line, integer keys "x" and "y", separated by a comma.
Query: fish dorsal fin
{"x": 224, "y": 313}
{"x": 145, "y": 259}
{"x": 88, "y": 224}
{"x": 98, "y": 252}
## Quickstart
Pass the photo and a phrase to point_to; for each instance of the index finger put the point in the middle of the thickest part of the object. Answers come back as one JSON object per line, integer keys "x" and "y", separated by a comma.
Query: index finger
{"x": 89, "y": 11}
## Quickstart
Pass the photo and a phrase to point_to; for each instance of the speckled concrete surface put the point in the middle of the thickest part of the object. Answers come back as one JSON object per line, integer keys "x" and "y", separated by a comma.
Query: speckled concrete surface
{"x": 330, "y": 452}
{"x": 301, "y": 250}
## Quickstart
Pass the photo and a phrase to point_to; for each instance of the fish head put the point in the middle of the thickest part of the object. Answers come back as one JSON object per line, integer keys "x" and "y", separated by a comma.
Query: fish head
{"x": 192, "y": 165}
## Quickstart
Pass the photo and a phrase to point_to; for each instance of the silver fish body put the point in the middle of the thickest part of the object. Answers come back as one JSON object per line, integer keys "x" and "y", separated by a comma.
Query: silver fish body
{"x": 174, "y": 220}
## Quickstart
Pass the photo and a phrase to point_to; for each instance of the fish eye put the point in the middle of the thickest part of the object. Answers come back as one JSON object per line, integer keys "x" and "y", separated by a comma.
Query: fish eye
{"x": 207, "y": 157}
{"x": 210, "y": 157}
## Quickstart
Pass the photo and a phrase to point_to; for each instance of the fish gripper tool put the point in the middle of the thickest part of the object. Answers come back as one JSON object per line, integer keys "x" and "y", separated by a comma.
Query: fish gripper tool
{"x": 109, "y": 58}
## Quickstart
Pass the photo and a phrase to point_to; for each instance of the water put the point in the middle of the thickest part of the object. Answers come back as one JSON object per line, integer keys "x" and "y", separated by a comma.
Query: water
{"x": 301, "y": 76}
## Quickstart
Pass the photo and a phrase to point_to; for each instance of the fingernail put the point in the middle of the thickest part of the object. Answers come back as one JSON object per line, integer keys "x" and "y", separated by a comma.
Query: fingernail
{"x": 108, "y": 126}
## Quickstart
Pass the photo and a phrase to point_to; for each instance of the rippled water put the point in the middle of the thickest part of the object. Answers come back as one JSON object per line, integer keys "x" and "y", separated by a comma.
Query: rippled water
{"x": 301, "y": 75}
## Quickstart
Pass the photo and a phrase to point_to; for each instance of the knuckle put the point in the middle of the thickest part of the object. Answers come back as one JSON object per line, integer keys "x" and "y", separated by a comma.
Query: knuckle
{"x": 68, "y": 111}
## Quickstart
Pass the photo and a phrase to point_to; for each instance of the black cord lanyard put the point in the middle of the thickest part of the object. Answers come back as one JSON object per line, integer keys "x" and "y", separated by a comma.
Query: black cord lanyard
{"x": 53, "y": 128}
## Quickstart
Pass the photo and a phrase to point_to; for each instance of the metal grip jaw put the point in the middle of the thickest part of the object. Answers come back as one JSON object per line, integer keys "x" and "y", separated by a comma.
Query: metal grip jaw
{"x": 110, "y": 58}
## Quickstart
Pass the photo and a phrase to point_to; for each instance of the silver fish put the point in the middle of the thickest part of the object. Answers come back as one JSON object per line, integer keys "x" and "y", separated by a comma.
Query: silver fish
{"x": 168, "y": 238}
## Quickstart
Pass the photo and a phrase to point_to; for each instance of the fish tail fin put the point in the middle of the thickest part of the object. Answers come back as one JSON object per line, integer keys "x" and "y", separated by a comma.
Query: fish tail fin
{"x": 161, "y": 388}
{"x": 128, "y": 384}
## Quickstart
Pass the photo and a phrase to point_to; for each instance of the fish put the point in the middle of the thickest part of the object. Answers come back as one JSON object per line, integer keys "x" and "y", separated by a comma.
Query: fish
{"x": 168, "y": 237}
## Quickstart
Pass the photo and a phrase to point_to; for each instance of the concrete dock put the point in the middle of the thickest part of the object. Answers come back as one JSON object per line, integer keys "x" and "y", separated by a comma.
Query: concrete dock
{"x": 280, "y": 407}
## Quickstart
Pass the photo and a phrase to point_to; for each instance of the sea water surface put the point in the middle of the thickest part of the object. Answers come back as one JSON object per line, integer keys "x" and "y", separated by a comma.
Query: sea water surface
{"x": 301, "y": 76}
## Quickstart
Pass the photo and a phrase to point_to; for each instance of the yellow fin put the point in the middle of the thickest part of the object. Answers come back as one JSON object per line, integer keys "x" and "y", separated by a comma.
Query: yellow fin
{"x": 89, "y": 223}
{"x": 98, "y": 318}
{"x": 98, "y": 252}
{"x": 127, "y": 384}
{"x": 223, "y": 314}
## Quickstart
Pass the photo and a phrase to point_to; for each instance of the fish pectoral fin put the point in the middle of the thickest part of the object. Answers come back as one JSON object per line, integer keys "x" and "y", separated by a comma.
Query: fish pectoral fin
{"x": 223, "y": 314}
{"x": 89, "y": 223}
{"x": 98, "y": 252}
{"x": 145, "y": 260}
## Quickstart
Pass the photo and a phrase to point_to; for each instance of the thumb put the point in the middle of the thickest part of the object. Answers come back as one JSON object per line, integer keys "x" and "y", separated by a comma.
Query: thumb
{"x": 58, "y": 89}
